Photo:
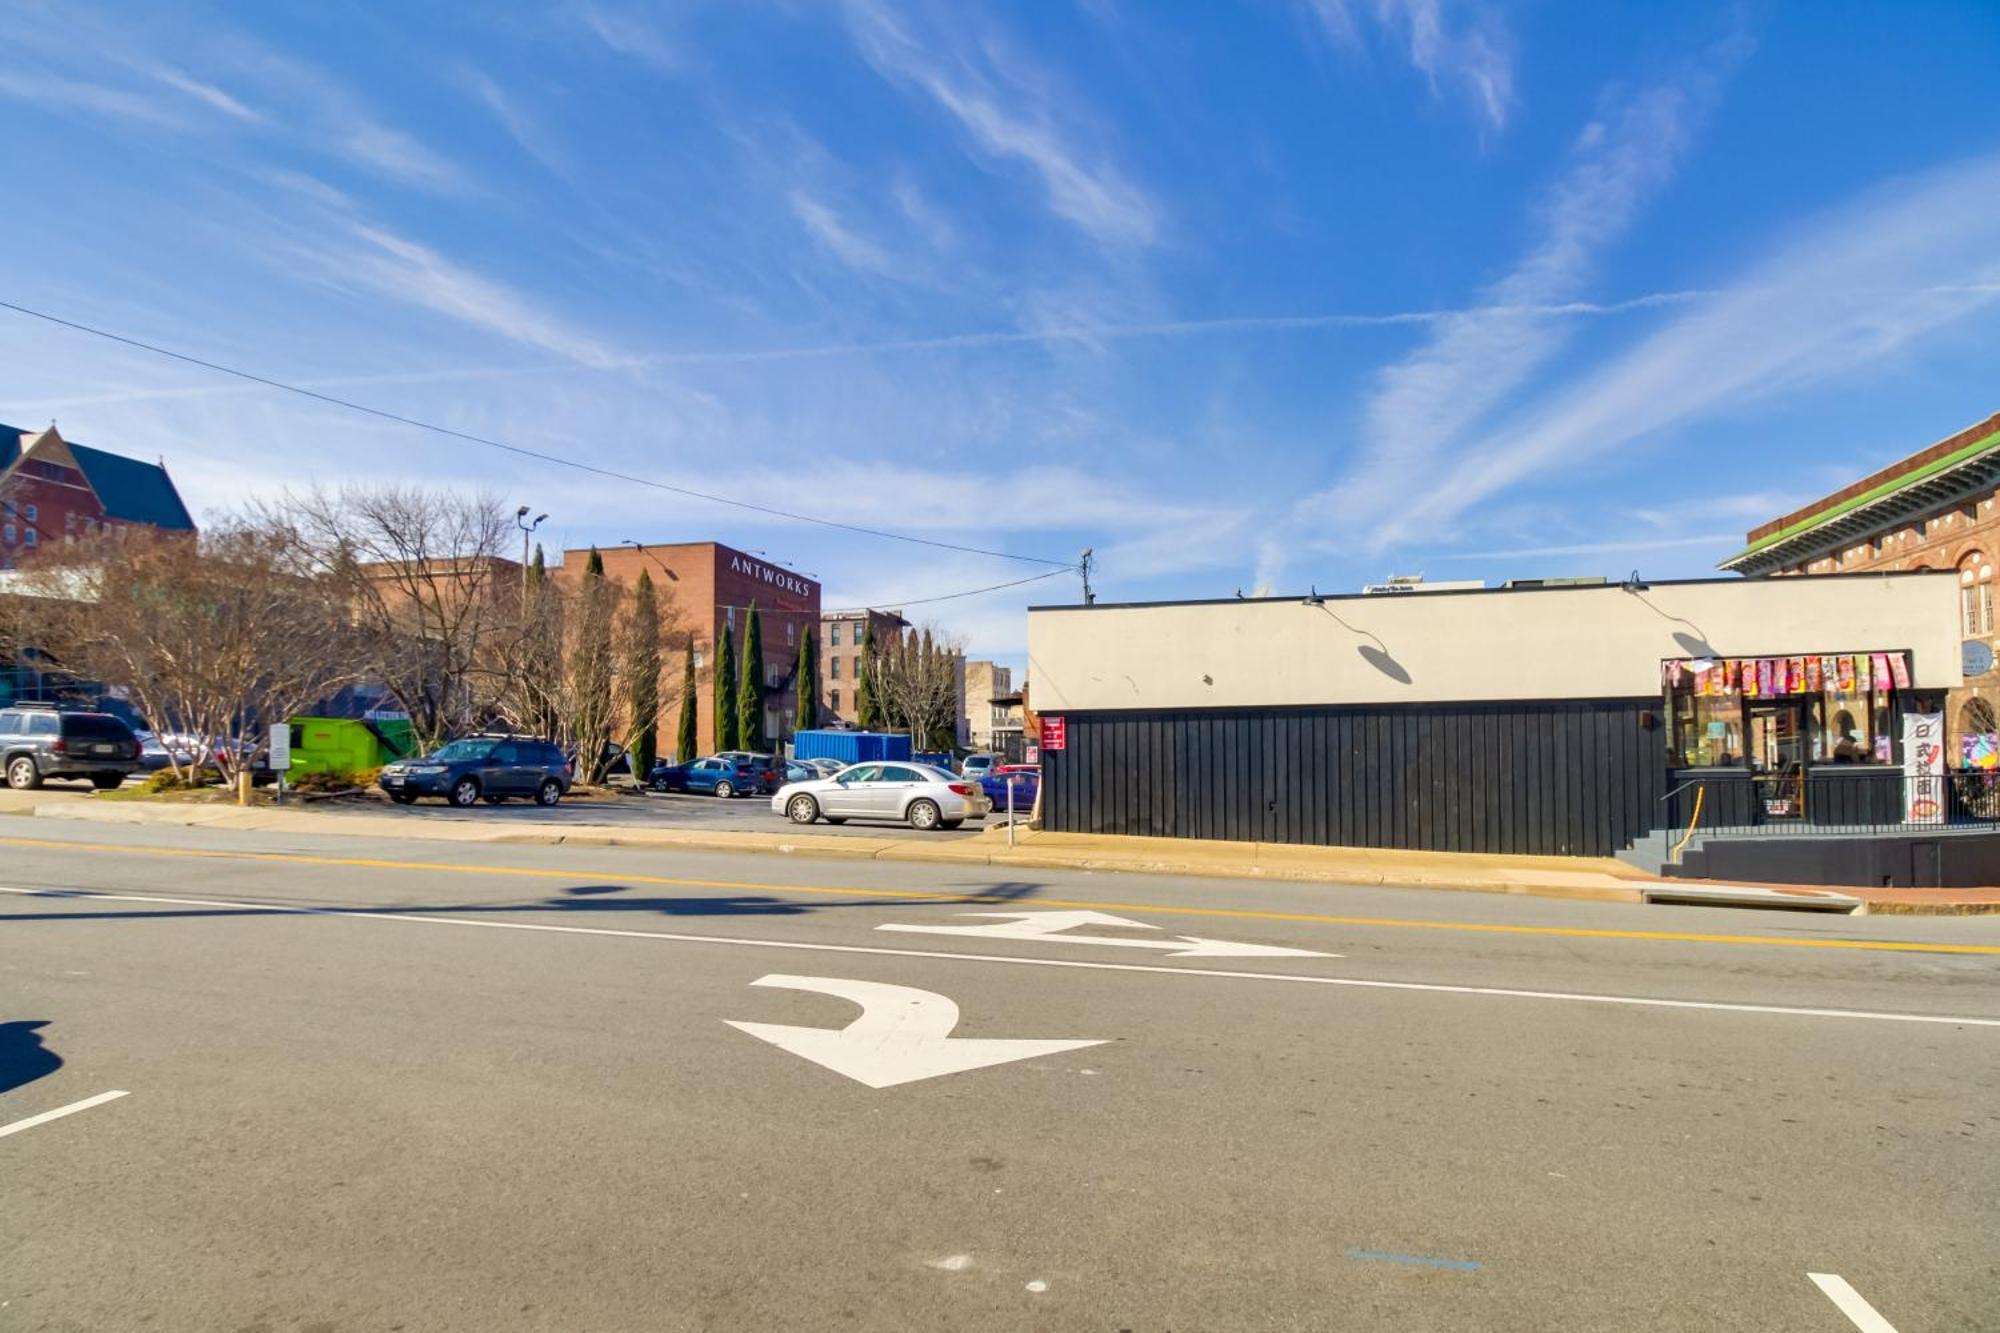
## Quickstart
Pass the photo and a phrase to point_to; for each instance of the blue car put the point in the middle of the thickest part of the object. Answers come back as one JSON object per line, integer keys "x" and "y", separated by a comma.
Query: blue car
{"x": 1027, "y": 780}
{"x": 717, "y": 775}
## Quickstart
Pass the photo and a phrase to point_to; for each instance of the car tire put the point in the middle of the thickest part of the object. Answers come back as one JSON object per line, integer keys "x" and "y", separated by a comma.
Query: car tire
{"x": 403, "y": 798}
{"x": 924, "y": 815}
{"x": 107, "y": 781}
{"x": 836, "y": 819}
{"x": 802, "y": 810}
{"x": 549, "y": 792}
{"x": 464, "y": 793}
{"x": 725, "y": 789}
{"x": 22, "y": 775}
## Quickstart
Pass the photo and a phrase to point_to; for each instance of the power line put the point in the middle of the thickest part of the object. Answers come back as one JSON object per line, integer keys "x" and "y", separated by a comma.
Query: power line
{"x": 1061, "y": 565}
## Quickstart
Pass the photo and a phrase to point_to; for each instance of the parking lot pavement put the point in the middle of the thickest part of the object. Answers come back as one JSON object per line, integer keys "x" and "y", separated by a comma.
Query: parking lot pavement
{"x": 743, "y": 814}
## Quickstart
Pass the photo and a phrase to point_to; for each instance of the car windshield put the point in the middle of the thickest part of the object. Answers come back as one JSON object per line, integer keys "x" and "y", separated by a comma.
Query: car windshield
{"x": 459, "y": 751}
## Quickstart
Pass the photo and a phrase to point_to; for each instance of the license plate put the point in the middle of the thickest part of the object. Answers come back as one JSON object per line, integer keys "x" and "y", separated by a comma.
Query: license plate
{"x": 105, "y": 749}
{"x": 394, "y": 782}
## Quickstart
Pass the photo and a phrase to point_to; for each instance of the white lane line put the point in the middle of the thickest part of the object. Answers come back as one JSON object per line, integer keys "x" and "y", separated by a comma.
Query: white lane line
{"x": 1361, "y": 983}
{"x": 60, "y": 1112}
{"x": 1859, "y": 1312}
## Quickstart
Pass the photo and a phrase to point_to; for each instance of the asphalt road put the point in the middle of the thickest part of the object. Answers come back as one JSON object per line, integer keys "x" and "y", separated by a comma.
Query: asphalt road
{"x": 399, "y": 1086}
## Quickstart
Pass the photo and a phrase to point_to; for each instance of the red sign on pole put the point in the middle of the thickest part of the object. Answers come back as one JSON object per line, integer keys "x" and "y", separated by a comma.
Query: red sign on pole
{"x": 1055, "y": 734}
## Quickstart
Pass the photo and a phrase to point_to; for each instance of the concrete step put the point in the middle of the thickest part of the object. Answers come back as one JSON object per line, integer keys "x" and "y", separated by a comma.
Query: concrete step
{"x": 1702, "y": 894}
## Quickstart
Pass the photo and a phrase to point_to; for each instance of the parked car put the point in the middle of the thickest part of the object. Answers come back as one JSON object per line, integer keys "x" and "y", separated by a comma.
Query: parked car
{"x": 977, "y": 766}
{"x": 1027, "y": 779}
{"x": 488, "y": 768}
{"x": 769, "y": 767}
{"x": 40, "y": 741}
{"x": 798, "y": 772}
{"x": 914, "y": 794}
{"x": 824, "y": 768}
{"x": 717, "y": 775}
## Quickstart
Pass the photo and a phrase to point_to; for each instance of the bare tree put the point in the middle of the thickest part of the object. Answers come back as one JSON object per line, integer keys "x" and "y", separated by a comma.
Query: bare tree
{"x": 592, "y": 655}
{"x": 915, "y": 677}
{"x": 430, "y": 590}
{"x": 217, "y": 636}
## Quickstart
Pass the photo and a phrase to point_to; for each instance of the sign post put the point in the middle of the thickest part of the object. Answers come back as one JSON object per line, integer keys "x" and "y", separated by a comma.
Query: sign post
{"x": 281, "y": 753}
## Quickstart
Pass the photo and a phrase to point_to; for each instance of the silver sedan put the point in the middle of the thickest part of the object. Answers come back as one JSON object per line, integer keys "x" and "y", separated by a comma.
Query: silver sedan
{"x": 913, "y": 794}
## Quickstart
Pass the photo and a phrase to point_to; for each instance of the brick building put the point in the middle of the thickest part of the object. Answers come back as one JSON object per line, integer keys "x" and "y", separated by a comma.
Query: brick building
{"x": 705, "y": 587}
{"x": 985, "y": 723}
{"x": 51, "y": 489}
{"x": 841, "y": 636}
{"x": 1935, "y": 509}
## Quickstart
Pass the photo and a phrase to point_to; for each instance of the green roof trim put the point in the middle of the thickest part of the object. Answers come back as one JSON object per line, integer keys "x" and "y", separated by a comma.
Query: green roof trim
{"x": 1869, "y": 496}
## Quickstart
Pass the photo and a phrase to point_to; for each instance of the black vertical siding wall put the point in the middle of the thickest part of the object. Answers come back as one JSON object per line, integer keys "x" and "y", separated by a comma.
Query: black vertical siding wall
{"x": 1560, "y": 779}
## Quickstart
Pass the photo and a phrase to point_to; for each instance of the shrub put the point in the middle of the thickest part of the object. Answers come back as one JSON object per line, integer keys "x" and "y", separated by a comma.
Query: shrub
{"x": 336, "y": 781}
{"x": 167, "y": 780}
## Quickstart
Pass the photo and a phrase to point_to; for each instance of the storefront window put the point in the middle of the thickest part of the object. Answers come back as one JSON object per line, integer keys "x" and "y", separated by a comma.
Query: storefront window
{"x": 1778, "y": 715}
{"x": 1708, "y": 729}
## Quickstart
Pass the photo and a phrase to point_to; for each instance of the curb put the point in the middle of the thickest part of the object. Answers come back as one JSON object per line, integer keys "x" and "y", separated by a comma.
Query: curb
{"x": 1519, "y": 883}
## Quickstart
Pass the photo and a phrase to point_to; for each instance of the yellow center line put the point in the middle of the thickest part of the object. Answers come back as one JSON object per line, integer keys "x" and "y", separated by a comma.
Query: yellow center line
{"x": 919, "y": 895}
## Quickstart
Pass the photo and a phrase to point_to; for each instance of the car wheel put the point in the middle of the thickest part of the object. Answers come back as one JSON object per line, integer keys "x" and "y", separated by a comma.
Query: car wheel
{"x": 549, "y": 792}
{"x": 924, "y": 815}
{"x": 465, "y": 793}
{"x": 402, "y": 798}
{"x": 725, "y": 789}
{"x": 803, "y": 809}
{"x": 22, "y": 774}
{"x": 107, "y": 781}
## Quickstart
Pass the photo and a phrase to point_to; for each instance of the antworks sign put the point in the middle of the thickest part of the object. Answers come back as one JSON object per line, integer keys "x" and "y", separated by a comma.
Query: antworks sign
{"x": 776, "y": 578}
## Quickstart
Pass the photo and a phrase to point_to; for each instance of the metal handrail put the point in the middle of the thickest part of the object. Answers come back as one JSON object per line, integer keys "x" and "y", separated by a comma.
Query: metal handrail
{"x": 1691, "y": 782}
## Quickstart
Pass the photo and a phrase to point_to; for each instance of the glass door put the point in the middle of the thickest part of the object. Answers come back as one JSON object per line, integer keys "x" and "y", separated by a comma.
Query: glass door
{"x": 1778, "y": 754}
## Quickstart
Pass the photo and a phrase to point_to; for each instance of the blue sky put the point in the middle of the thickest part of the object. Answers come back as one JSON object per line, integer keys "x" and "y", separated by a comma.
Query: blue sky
{"x": 1280, "y": 293}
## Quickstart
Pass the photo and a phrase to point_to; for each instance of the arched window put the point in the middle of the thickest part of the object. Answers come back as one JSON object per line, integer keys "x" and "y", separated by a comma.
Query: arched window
{"x": 1977, "y": 719}
{"x": 1975, "y": 593}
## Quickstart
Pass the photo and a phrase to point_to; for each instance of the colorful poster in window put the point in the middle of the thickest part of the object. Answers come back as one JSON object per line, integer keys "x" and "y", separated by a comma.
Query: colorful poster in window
{"x": 1815, "y": 678}
{"x": 1861, "y": 685}
{"x": 1899, "y": 670}
{"x": 1979, "y": 750}
{"x": 1923, "y": 768}
{"x": 1881, "y": 661}
{"x": 1846, "y": 674}
{"x": 1764, "y": 677}
{"x": 1746, "y": 675}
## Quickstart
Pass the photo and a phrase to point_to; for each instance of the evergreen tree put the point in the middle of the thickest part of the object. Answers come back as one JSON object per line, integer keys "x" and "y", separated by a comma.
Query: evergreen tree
{"x": 865, "y": 715}
{"x": 642, "y": 678}
{"x": 805, "y": 677}
{"x": 725, "y": 691}
{"x": 687, "y": 739}
{"x": 590, "y": 671}
{"x": 750, "y": 687}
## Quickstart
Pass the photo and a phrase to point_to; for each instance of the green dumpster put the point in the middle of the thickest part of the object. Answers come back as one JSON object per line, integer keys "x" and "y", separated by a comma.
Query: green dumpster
{"x": 346, "y": 745}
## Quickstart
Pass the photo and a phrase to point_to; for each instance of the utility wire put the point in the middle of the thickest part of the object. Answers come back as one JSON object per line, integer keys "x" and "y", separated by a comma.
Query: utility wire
{"x": 1061, "y": 566}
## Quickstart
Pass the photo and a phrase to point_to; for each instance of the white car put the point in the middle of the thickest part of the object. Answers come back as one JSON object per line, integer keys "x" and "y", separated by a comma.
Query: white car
{"x": 915, "y": 794}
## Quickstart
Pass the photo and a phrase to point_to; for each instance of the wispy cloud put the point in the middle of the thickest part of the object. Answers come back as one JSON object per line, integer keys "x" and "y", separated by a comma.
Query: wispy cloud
{"x": 55, "y": 92}
{"x": 394, "y": 266}
{"x": 1424, "y": 405}
{"x": 1906, "y": 261}
{"x": 1463, "y": 45}
{"x": 845, "y": 244}
{"x": 1720, "y": 541}
{"x": 1008, "y": 109}
{"x": 206, "y": 93}
{"x": 533, "y": 138}
{"x": 629, "y": 35}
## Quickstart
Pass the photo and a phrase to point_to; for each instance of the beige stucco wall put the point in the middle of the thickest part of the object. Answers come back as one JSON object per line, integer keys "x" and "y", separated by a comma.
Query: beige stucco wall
{"x": 1543, "y": 643}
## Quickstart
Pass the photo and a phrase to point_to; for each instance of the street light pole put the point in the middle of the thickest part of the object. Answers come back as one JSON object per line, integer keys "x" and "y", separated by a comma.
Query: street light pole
{"x": 527, "y": 531}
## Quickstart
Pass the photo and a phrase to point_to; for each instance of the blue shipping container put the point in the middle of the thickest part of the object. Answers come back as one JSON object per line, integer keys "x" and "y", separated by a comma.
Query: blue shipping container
{"x": 851, "y": 747}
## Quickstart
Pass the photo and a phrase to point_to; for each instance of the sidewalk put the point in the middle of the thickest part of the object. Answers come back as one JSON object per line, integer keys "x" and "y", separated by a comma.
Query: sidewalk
{"x": 1596, "y": 879}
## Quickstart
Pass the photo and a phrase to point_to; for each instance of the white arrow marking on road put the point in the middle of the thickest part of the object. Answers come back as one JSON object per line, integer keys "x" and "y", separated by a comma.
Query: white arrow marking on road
{"x": 1051, "y": 925}
{"x": 1858, "y": 1311}
{"x": 903, "y": 1034}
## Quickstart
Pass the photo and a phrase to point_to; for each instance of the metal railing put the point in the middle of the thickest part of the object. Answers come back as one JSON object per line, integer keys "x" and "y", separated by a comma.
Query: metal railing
{"x": 1829, "y": 801}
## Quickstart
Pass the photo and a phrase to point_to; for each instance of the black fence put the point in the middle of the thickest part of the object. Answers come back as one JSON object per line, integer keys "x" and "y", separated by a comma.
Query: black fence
{"x": 1833, "y": 799}
{"x": 1576, "y": 779}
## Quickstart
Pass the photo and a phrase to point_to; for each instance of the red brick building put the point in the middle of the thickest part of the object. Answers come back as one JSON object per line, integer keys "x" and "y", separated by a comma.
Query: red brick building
{"x": 1939, "y": 508}
{"x": 704, "y": 588}
{"x": 842, "y": 634}
{"x": 51, "y": 489}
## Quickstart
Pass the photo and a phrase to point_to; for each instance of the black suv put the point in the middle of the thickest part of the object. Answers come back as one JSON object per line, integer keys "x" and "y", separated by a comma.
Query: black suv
{"x": 489, "y": 768}
{"x": 39, "y": 742}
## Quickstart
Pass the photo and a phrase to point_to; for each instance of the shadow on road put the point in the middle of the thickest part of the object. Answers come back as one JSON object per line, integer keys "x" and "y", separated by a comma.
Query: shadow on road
{"x": 590, "y": 898}
{"x": 23, "y": 1057}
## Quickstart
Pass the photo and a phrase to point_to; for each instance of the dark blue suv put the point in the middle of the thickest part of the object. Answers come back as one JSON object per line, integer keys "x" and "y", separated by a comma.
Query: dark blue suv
{"x": 482, "y": 768}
